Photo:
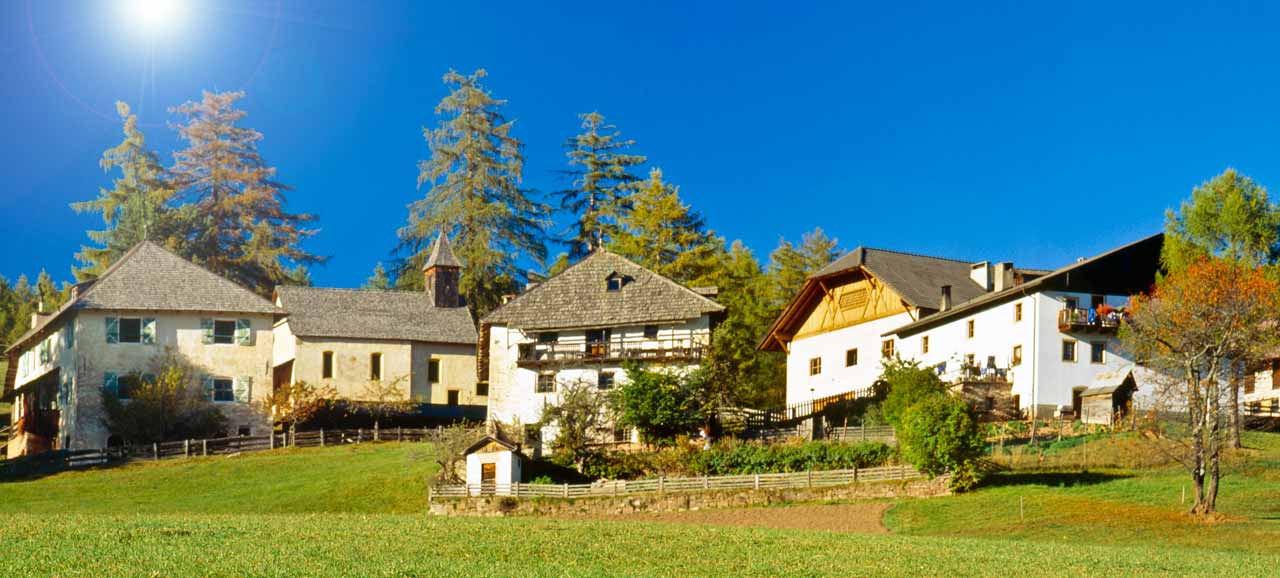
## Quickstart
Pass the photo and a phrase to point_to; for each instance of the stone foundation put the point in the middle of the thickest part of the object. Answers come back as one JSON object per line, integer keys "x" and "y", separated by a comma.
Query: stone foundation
{"x": 682, "y": 501}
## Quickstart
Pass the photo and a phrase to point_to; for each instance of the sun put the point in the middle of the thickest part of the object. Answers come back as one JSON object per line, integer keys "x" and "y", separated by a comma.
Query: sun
{"x": 153, "y": 16}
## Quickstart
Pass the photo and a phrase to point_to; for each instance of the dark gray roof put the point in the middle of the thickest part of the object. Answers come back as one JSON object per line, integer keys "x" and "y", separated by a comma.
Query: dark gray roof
{"x": 374, "y": 314}
{"x": 442, "y": 254}
{"x": 917, "y": 278}
{"x": 578, "y": 298}
{"x": 150, "y": 278}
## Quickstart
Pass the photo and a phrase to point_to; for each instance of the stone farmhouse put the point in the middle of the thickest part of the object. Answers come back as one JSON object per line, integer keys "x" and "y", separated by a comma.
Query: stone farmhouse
{"x": 1011, "y": 340}
{"x": 110, "y": 332}
{"x": 580, "y": 326}
{"x": 422, "y": 345}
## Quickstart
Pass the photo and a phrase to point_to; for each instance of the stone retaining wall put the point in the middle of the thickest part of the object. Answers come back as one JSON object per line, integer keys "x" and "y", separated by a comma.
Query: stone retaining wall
{"x": 674, "y": 502}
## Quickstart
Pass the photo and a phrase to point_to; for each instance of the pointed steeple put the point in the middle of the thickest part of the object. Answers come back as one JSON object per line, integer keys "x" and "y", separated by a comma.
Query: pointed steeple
{"x": 442, "y": 254}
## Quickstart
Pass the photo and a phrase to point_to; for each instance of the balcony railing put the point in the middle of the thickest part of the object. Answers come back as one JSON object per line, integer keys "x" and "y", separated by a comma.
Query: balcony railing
{"x": 550, "y": 353}
{"x": 1089, "y": 320}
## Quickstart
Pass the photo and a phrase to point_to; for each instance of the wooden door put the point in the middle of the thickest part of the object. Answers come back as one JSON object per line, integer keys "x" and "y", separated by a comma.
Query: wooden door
{"x": 488, "y": 473}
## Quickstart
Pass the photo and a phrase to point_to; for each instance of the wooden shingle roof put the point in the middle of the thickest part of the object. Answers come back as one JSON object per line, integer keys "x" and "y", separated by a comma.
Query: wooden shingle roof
{"x": 579, "y": 298}
{"x": 918, "y": 279}
{"x": 374, "y": 314}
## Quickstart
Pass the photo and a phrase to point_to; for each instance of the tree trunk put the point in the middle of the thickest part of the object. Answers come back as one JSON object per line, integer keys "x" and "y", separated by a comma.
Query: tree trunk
{"x": 1236, "y": 371}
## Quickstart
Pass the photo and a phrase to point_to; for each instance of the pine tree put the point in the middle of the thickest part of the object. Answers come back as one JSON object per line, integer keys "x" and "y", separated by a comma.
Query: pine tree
{"x": 133, "y": 209}
{"x": 22, "y": 305}
{"x": 379, "y": 280}
{"x": 665, "y": 235}
{"x": 790, "y": 265}
{"x": 475, "y": 196}
{"x": 234, "y": 222}
{"x": 753, "y": 378}
{"x": 602, "y": 182}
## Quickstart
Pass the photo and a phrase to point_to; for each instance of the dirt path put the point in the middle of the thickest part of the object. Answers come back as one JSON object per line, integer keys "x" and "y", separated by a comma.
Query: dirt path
{"x": 863, "y": 518}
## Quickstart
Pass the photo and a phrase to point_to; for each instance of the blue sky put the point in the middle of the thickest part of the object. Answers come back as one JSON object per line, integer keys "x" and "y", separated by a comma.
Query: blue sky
{"x": 1036, "y": 132}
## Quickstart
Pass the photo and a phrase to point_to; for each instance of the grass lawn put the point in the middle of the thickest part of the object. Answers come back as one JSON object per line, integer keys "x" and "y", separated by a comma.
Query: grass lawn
{"x": 357, "y": 511}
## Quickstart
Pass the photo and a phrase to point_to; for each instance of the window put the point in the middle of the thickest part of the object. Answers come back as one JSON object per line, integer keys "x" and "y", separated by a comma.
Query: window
{"x": 548, "y": 337}
{"x": 650, "y": 331}
{"x": 453, "y": 397}
{"x": 375, "y": 367}
{"x": 482, "y": 388}
{"x": 130, "y": 330}
{"x": 1073, "y": 303}
{"x": 968, "y": 360}
{"x": 851, "y": 357}
{"x": 224, "y": 332}
{"x": 326, "y": 365}
{"x": 1016, "y": 359}
{"x": 1097, "y": 352}
{"x": 605, "y": 380}
{"x": 223, "y": 389}
{"x": 621, "y": 435}
{"x": 614, "y": 282}
{"x": 488, "y": 473}
{"x": 433, "y": 371}
{"x": 1017, "y": 312}
{"x": 1249, "y": 384}
{"x": 886, "y": 348}
{"x": 924, "y": 344}
{"x": 128, "y": 385}
{"x": 1068, "y": 350}
{"x": 815, "y": 366}
{"x": 546, "y": 383}
{"x": 970, "y": 328}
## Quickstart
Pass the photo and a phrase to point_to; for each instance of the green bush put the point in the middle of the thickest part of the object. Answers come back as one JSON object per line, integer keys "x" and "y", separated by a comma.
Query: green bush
{"x": 742, "y": 458}
{"x": 908, "y": 384}
{"x": 939, "y": 435}
{"x": 661, "y": 404}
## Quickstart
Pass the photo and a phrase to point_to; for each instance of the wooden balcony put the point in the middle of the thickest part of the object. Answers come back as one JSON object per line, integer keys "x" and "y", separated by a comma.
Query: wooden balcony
{"x": 550, "y": 354}
{"x": 1088, "y": 321}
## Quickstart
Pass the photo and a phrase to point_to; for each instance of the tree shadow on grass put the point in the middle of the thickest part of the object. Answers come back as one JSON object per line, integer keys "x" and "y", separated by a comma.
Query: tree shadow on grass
{"x": 1051, "y": 479}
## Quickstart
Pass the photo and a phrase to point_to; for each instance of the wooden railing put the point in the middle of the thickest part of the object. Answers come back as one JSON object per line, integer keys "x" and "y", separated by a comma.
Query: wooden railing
{"x": 810, "y": 479}
{"x": 1078, "y": 319}
{"x": 800, "y": 411}
{"x": 546, "y": 353}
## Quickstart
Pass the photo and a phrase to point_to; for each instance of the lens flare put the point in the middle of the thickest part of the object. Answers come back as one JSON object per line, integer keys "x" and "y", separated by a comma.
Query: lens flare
{"x": 154, "y": 16}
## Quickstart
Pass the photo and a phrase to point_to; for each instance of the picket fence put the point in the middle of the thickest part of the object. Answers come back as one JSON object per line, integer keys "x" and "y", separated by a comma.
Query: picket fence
{"x": 809, "y": 479}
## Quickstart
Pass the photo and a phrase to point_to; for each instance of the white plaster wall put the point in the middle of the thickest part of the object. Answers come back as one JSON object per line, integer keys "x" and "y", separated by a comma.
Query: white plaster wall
{"x": 506, "y": 470}
{"x": 1055, "y": 378}
{"x": 831, "y": 346}
{"x": 457, "y": 372}
{"x": 285, "y": 346}
{"x": 352, "y": 359}
{"x": 996, "y": 333}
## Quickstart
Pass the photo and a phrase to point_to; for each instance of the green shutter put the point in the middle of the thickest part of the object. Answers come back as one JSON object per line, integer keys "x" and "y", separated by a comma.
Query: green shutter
{"x": 113, "y": 330}
{"x": 111, "y": 384}
{"x": 206, "y": 331}
{"x": 149, "y": 330}
{"x": 69, "y": 334}
{"x": 244, "y": 332}
{"x": 208, "y": 386}
{"x": 242, "y": 388}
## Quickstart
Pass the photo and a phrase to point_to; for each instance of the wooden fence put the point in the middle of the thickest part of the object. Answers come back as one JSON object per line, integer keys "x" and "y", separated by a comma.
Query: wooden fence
{"x": 810, "y": 479}
{"x": 883, "y": 434}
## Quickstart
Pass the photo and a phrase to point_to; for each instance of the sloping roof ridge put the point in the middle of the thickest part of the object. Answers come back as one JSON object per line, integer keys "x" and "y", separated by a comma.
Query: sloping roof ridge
{"x": 350, "y": 289}
{"x": 543, "y": 283}
{"x": 678, "y": 284}
{"x": 911, "y": 254}
{"x": 222, "y": 278}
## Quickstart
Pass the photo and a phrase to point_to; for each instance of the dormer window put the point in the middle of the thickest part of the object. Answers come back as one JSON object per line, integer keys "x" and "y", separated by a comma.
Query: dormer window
{"x": 613, "y": 282}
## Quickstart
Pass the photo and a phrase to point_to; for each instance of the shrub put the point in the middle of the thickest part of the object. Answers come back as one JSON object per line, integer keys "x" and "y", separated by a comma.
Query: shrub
{"x": 908, "y": 384}
{"x": 170, "y": 405}
{"x": 660, "y": 404}
{"x": 741, "y": 458}
{"x": 939, "y": 435}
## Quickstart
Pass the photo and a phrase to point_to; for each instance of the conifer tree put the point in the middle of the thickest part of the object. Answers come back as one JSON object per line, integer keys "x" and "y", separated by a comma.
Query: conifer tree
{"x": 475, "y": 196}
{"x": 133, "y": 209}
{"x": 754, "y": 378}
{"x": 790, "y": 265}
{"x": 379, "y": 280}
{"x": 665, "y": 235}
{"x": 602, "y": 182}
{"x": 234, "y": 221}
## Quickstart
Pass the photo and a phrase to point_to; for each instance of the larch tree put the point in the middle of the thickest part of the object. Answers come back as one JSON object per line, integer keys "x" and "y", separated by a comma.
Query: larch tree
{"x": 234, "y": 220}
{"x": 475, "y": 196}
{"x": 790, "y": 265}
{"x": 1229, "y": 217}
{"x": 602, "y": 181}
{"x": 1195, "y": 324}
{"x": 379, "y": 279}
{"x": 663, "y": 234}
{"x": 134, "y": 209}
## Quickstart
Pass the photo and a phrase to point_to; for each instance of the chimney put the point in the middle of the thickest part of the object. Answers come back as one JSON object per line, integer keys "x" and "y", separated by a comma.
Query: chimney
{"x": 441, "y": 273}
{"x": 1003, "y": 277}
{"x": 981, "y": 274}
{"x": 946, "y": 298}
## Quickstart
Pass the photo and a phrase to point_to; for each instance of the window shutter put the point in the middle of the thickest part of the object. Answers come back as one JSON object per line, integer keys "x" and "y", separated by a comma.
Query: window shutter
{"x": 243, "y": 386}
{"x": 69, "y": 333}
{"x": 149, "y": 330}
{"x": 111, "y": 384}
{"x": 113, "y": 330}
{"x": 244, "y": 332}
{"x": 208, "y": 386}
{"x": 206, "y": 331}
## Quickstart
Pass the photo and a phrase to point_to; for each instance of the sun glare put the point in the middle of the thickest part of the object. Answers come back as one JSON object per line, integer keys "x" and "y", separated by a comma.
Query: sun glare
{"x": 154, "y": 16}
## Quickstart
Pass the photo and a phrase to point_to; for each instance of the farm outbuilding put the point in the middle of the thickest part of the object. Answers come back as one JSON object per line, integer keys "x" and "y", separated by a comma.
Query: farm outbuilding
{"x": 1110, "y": 395}
{"x": 493, "y": 461}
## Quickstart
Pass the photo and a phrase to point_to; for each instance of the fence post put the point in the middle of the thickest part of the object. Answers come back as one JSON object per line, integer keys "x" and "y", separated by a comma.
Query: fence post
{"x": 272, "y": 437}
{"x": 204, "y": 447}
{"x": 757, "y": 486}
{"x": 359, "y": 435}
{"x": 322, "y": 442}
{"x": 517, "y": 489}
{"x": 810, "y": 477}
{"x": 186, "y": 448}
{"x": 662, "y": 484}
{"x": 855, "y": 473}
{"x": 155, "y": 450}
{"x": 566, "y": 490}
{"x": 399, "y": 433}
{"x": 377, "y": 432}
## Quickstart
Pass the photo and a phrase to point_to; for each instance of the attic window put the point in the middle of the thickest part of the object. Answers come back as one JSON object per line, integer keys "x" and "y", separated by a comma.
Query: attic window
{"x": 853, "y": 299}
{"x": 613, "y": 283}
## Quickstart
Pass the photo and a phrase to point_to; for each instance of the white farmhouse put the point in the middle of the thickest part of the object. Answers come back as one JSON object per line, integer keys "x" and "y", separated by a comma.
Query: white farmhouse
{"x": 111, "y": 331}
{"x": 999, "y": 334}
{"x": 580, "y": 326}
